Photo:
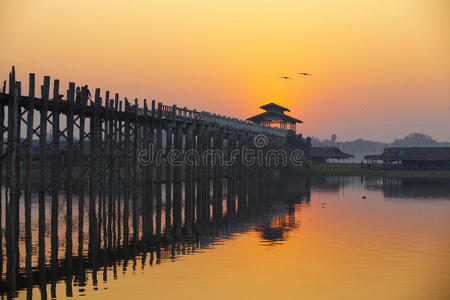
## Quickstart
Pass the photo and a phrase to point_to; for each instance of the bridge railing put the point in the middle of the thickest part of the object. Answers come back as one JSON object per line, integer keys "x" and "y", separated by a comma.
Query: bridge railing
{"x": 185, "y": 114}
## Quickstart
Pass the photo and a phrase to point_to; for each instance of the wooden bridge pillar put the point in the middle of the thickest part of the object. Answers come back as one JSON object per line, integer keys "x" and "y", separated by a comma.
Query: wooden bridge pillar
{"x": 147, "y": 191}
{"x": 189, "y": 183}
{"x": 218, "y": 176}
{"x": 198, "y": 144}
{"x": 3, "y": 129}
{"x": 177, "y": 177}
{"x": 94, "y": 143}
{"x": 168, "y": 178}
{"x": 109, "y": 127}
{"x": 69, "y": 185}
{"x": 241, "y": 165}
{"x": 159, "y": 179}
{"x": 203, "y": 180}
{"x": 232, "y": 159}
{"x": 103, "y": 191}
{"x": 55, "y": 178}
{"x": 12, "y": 246}
{"x": 135, "y": 139}
{"x": 28, "y": 168}
{"x": 208, "y": 171}
{"x": 42, "y": 170}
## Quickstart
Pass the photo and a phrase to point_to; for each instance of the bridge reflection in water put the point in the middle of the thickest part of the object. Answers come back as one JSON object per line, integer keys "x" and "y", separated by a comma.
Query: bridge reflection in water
{"x": 183, "y": 218}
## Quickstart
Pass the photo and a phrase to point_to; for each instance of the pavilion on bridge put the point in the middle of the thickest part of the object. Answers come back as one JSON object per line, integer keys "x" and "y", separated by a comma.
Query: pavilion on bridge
{"x": 274, "y": 116}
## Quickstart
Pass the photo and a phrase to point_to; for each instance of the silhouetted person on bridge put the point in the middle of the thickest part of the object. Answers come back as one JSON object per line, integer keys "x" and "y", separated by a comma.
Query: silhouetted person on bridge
{"x": 78, "y": 95}
{"x": 86, "y": 94}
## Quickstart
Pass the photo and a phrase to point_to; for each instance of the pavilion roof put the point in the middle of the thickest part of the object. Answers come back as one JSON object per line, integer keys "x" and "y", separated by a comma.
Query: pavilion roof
{"x": 272, "y": 106}
{"x": 273, "y": 116}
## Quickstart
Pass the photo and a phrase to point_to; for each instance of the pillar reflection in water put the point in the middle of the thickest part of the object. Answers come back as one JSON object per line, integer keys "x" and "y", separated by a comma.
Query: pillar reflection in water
{"x": 236, "y": 205}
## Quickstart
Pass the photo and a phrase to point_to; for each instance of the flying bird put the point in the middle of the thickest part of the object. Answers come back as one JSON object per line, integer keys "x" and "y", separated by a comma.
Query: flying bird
{"x": 285, "y": 77}
{"x": 305, "y": 74}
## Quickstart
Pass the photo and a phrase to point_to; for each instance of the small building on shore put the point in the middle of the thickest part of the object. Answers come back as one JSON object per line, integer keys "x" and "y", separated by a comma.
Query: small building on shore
{"x": 411, "y": 158}
{"x": 328, "y": 155}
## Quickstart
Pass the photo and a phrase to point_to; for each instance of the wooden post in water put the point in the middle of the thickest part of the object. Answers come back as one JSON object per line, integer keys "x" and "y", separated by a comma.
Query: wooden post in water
{"x": 135, "y": 186}
{"x": 116, "y": 171}
{"x": 2, "y": 139}
{"x": 207, "y": 182}
{"x": 16, "y": 166}
{"x": 151, "y": 184}
{"x": 158, "y": 181}
{"x": 81, "y": 172}
{"x": 106, "y": 185}
{"x": 69, "y": 163}
{"x": 69, "y": 185}
{"x": 168, "y": 204}
{"x": 111, "y": 171}
{"x": 42, "y": 172}
{"x": 126, "y": 200}
{"x": 215, "y": 167}
{"x": 156, "y": 121}
{"x": 177, "y": 177}
{"x": 146, "y": 182}
{"x": 54, "y": 176}
{"x": 28, "y": 170}
{"x": 12, "y": 247}
{"x": 199, "y": 173}
{"x": 189, "y": 189}
{"x": 93, "y": 165}
{"x": 219, "y": 176}
{"x": 106, "y": 165}
{"x": 120, "y": 174}
{"x": 101, "y": 171}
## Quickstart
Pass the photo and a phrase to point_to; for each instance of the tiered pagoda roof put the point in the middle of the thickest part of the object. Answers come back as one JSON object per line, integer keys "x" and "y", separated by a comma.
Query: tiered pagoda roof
{"x": 273, "y": 112}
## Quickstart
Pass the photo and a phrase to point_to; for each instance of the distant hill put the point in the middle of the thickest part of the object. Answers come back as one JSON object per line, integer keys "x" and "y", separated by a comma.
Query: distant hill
{"x": 361, "y": 147}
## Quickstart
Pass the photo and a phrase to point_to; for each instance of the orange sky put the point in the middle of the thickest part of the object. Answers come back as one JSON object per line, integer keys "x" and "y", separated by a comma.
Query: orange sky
{"x": 381, "y": 68}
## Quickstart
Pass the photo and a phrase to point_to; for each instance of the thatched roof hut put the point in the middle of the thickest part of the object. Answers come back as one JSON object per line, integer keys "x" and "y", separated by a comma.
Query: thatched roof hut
{"x": 417, "y": 156}
{"x": 322, "y": 154}
{"x": 413, "y": 154}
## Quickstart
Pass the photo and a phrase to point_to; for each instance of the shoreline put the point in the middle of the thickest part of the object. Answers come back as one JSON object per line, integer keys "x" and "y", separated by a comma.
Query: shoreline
{"x": 356, "y": 170}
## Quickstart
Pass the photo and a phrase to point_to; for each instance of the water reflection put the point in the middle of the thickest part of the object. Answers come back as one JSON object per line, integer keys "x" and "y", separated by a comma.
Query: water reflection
{"x": 169, "y": 220}
{"x": 407, "y": 188}
{"x": 415, "y": 188}
{"x": 116, "y": 236}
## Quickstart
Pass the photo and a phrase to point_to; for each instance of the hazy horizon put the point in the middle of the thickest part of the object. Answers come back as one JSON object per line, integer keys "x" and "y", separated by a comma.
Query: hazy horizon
{"x": 380, "y": 69}
{"x": 338, "y": 140}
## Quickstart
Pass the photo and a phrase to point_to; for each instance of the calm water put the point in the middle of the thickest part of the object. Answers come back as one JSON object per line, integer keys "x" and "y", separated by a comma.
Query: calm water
{"x": 295, "y": 238}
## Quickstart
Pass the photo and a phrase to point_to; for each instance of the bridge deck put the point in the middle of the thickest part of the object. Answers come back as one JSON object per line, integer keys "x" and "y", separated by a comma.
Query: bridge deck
{"x": 160, "y": 112}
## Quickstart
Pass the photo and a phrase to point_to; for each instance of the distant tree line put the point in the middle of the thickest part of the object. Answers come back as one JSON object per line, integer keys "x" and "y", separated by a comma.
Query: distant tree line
{"x": 361, "y": 147}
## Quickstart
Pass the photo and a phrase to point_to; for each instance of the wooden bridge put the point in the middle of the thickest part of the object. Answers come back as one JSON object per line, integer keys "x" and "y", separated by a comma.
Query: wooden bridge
{"x": 93, "y": 152}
